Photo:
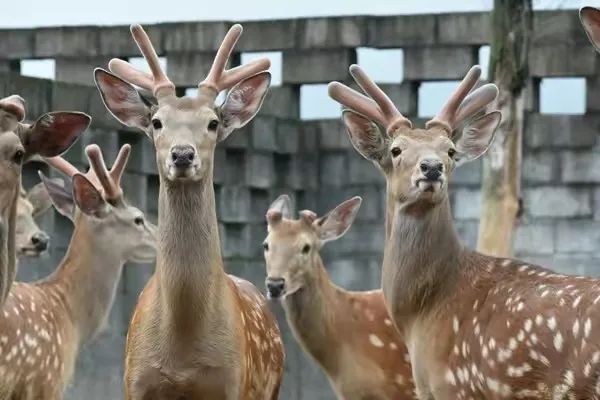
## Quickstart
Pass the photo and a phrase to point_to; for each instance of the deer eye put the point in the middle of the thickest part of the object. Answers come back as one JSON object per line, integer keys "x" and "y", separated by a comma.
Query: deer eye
{"x": 138, "y": 220}
{"x": 18, "y": 156}
{"x": 213, "y": 125}
{"x": 306, "y": 249}
{"x": 156, "y": 123}
{"x": 451, "y": 153}
{"x": 396, "y": 151}
{"x": 266, "y": 246}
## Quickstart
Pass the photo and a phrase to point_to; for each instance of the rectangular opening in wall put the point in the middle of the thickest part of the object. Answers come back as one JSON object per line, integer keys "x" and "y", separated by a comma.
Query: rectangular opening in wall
{"x": 193, "y": 91}
{"x": 562, "y": 95}
{"x": 42, "y": 68}
{"x": 484, "y": 61}
{"x": 315, "y": 103}
{"x": 382, "y": 65}
{"x": 141, "y": 64}
{"x": 274, "y": 56}
{"x": 432, "y": 97}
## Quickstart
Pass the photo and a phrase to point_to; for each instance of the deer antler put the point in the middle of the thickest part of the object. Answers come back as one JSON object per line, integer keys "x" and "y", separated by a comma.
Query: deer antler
{"x": 218, "y": 77}
{"x": 462, "y": 105}
{"x": 98, "y": 174}
{"x": 378, "y": 108}
{"x": 15, "y": 105}
{"x": 157, "y": 82}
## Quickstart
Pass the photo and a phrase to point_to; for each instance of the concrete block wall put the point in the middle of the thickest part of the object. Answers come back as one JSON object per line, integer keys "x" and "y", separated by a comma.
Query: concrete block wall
{"x": 313, "y": 161}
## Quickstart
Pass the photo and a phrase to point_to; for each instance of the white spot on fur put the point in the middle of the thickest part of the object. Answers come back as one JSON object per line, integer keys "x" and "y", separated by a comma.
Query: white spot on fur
{"x": 558, "y": 341}
{"x": 375, "y": 341}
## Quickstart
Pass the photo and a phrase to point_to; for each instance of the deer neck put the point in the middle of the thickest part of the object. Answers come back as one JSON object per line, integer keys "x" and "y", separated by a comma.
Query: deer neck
{"x": 189, "y": 265}
{"x": 8, "y": 256}
{"x": 311, "y": 312}
{"x": 421, "y": 259}
{"x": 88, "y": 276}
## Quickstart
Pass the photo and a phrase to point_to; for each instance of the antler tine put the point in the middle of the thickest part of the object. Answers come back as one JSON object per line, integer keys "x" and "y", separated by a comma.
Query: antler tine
{"x": 446, "y": 118}
{"x": 156, "y": 82}
{"x": 62, "y": 165}
{"x": 218, "y": 77}
{"x": 116, "y": 172}
{"x": 356, "y": 101}
{"x": 94, "y": 155}
{"x": 394, "y": 118}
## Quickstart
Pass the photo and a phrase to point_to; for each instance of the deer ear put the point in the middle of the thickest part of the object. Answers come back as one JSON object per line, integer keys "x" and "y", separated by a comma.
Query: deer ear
{"x": 122, "y": 100}
{"x": 59, "y": 196}
{"x": 53, "y": 133}
{"x": 590, "y": 19}
{"x": 88, "y": 198}
{"x": 39, "y": 197}
{"x": 366, "y": 137}
{"x": 476, "y": 137}
{"x": 243, "y": 102}
{"x": 337, "y": 222}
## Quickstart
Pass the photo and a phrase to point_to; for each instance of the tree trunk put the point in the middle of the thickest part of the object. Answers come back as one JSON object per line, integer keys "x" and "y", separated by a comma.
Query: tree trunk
{"x": 501, "y": 186}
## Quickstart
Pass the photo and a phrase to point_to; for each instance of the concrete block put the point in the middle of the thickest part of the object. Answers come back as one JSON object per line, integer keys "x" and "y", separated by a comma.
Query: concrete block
{"x": 438, "y": 63}
{"x": 354, "y": 273}
{"x": 271, "y": 35}
{"x": 318, "y": 33}
{"x": 187, "y": 69}
{"x": 400, "y": 31}
{"x": 467, "y": 230}
{"x": 71, "y": 96}
{"x": 220, "y": 165}
{"x": 545, "y": 130}
{"x": 310, "y": 170}
{"x": 79, "y": 69}
{"x": 554, "y": 27}
{"x": 309, "y": 137}
{"x": 596, "y": 201}
{"x": 592, "y": 93}
{"x": 403, "y": 95}
{"x": 464, "y": 28}
{"x": 562, "y": 60}
{"x": 234, "y": 204}
{"x": 66, "y": 41}
{"x": 282, "y": 101}
{"x": 116, "y": 41}
{"x": 468, "y": 174}
{"x": 143, "y": 156}
{"x": 260, "y": 200}
{"x": 288, "y": 171}
{"x": 556, "y": 202}
{"x": 259, "y": 170}
{"x": 16, "y": 43}
{"x": 264, "y": 133}
{"x": 333, "y": 169}
{"x": 153, "y": 187}
{"x": 364, "y": 238}
{"x": 317, "y": 66}
{"x": 36, "y": 92}
{"x": 107, "y": 140}
{"x": 536, "y": 238}
{"x": 235, "y": 240}
{"x": 372, "y": 208}
{"x": 194, "y": 36}
{"x": 288, "y": 136}
{"x": 362, "y": 171}
{"x": 540, "y": 167}
{"x": 332, "y": 134}
{"x": 135, "y": 187}
{"x": 576, "y": 236}
{"x": 580, "y": 167}
{"x": 239, "y": 139}
{"x": 467, "y": 203}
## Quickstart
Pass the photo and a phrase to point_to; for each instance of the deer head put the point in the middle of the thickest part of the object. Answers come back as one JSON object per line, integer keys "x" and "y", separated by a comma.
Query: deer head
{"x": 52, "y": 134}
{"x": 291, "y": 248}
{"x": 30, "y": 239}
{"x": 417, "y": 162}
{"x": 97, "y": 196}
{"x": 184, "y": 130}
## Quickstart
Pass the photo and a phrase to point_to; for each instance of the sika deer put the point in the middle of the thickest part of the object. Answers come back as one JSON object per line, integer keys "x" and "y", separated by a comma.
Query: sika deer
{"x": 52, "y": 134}
{"x": 369, "y": 360}
{"x": 30, "y": 240}
{"x": 475, "y": 326}
{"x": 44, "y": 324}
{"x": 197, "y": 333}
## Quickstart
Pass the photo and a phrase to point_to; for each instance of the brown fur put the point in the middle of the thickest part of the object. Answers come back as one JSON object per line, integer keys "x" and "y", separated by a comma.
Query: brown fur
{"x": 369, "y": 360}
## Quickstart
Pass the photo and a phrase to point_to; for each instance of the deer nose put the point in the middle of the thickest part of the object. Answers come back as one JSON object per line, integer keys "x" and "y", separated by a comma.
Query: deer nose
{"x": 275, "y": 287}
{"x": 183, "y": 156}
{"x": 40, "y": 241}
{"x": 431, "y": 168}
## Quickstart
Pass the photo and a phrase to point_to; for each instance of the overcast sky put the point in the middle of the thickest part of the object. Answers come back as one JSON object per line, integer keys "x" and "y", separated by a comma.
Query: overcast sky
{"x": 558, "y": 95}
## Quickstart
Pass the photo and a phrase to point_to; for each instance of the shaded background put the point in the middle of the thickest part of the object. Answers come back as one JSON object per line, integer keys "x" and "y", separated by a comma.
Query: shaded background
{"x": 297, "y": 145}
